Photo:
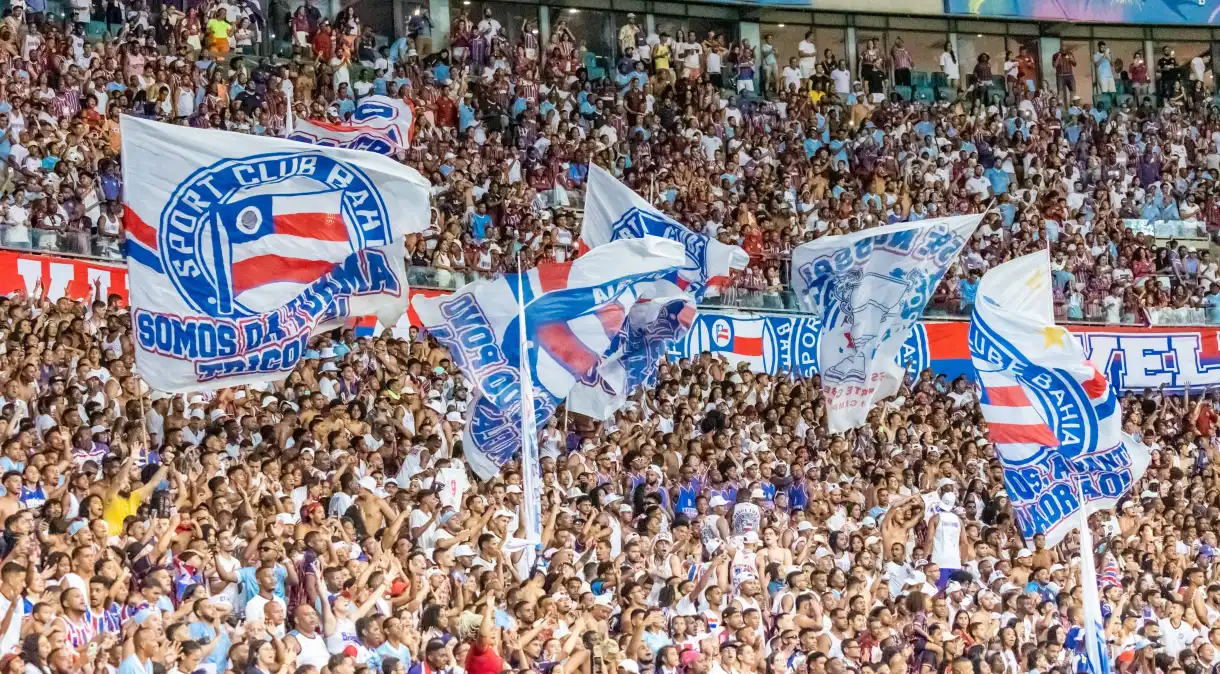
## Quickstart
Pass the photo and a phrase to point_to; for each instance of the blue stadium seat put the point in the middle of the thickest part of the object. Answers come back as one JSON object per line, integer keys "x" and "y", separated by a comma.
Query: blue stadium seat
{"x": 595, "y": 72}
{"x": 95, "y": 31}
{"x": 904, "y": 93}
{"x": 919, "y": 79}
{"x": 925, "y": 94}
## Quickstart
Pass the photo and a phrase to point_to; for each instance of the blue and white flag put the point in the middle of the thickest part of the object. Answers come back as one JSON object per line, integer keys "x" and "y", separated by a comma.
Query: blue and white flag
{"x": 1051, "y": 414}
{"x": 614, "y": 212}
{"x": 573, "y": 312}
{"x": 650, "y": 331}
{"x": 243, "y": 248}
{"x": 379, "y": 124}
{"x": 869, "y": 289}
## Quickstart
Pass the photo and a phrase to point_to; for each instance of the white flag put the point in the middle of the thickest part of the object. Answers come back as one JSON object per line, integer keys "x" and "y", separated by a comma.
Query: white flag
{"x": 869, "y": 289}
{"x": 243, "y": 248}
{"x": 613, "y": 212}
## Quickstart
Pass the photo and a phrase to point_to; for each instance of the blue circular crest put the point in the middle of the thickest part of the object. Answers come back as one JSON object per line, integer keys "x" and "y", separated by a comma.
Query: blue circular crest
{"x": 1065, "y": 406}
{"x": 233, "y": 203}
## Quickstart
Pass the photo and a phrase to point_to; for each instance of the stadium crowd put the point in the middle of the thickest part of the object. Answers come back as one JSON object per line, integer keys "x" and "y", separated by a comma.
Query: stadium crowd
{"x": 329, "y": 525}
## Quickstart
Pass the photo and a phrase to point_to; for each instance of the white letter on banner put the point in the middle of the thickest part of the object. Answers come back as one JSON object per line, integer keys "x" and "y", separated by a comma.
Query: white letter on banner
{"x": 1145, "y": 359}
{"x": 31, "y": 272}
{"x": 60, "y": 276}
{"x": 105, "y": 276}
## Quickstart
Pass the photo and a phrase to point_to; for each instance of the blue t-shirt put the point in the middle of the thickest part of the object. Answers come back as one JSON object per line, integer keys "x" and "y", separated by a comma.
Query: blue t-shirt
{"x": 968, "y": 289}
{"x": 132, "y": 665}
{"x": 478, "y": 225}
{"x": 249, "y": 584}
{"x": 1212, "y": 302}
{"x": 220, "y": 655}
{"x": 999, "y": 180}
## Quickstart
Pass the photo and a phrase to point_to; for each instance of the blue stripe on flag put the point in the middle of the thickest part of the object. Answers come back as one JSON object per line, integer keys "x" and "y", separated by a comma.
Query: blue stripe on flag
{"x": 138, "y": 252}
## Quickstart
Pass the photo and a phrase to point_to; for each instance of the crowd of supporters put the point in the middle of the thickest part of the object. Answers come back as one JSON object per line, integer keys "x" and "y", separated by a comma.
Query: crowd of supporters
{"x": 329, "y": 524}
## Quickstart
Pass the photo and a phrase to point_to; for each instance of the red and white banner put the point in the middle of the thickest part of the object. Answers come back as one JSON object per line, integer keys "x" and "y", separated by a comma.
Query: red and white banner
{"x": 69, "y": 277}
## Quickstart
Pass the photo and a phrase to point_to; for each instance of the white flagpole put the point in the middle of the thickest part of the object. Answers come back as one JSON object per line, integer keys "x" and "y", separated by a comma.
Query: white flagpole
{"x": 1096, "y": 652}
{"x": 531, "y": 479}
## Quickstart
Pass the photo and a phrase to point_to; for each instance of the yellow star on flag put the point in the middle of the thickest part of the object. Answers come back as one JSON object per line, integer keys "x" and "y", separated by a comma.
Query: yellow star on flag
{"x": 1034, "y": 282}
{"x": 1053, "y": 335}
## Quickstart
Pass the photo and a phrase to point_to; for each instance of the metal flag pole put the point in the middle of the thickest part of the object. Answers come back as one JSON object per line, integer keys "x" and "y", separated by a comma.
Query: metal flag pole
{"x": 531, "y": 479}
{"x": 1096, "y": 655}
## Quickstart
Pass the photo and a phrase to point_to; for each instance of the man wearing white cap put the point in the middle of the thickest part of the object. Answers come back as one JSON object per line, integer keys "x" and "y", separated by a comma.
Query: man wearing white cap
{"x": 715, "y": 526}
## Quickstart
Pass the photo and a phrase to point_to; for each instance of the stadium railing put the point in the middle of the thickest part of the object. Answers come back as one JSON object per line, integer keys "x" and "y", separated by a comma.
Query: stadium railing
{"x": 83, "y": 246}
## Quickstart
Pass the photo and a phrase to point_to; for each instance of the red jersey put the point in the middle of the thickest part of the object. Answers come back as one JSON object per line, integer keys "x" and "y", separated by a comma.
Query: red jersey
{"x": 483, "y": 660}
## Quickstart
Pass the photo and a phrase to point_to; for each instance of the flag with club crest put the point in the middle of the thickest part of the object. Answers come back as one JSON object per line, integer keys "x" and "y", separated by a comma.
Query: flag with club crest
{"x": 613, "y": 212}
{"x": 869, "y": 289}
{"x": 651, "y": 329}
{"x": 1055, "y": 423}
{"x": 572, "y": 311}
{"x": 243, "y": 248}
{"x": 1054, "y": 420}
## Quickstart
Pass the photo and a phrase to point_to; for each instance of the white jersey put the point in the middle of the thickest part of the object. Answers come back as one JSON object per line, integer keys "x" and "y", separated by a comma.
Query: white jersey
{"x": 313, "y": 650}
{"x": 946, "y": 550}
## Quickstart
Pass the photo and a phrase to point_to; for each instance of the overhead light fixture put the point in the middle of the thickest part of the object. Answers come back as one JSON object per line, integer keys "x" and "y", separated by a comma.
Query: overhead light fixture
{"x": 781, "y": 25}
{"x": 573, "y": 10}
{"x": 978, "y": 35}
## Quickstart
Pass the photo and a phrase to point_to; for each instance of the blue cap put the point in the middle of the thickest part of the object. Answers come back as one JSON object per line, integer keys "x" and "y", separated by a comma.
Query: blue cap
{"x": 76, "y": 526}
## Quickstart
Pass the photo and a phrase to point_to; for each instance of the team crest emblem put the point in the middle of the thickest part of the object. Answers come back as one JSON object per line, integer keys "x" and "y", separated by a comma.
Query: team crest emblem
{"x": 635, "y": 223}
{"x": 238, "y": 236}
{"x": 722, "y": 333}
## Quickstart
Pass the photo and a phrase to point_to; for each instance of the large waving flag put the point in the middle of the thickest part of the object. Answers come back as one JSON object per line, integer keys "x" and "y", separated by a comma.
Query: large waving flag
{"x": 380, "y": 124}
{"x": 1051, "y": 414}
{"x": 243, "y": 248}
{"x": 613, "y": 212}
{"x": 651, "y": 329}
{"x": 573, "y": 312}
{"x": 869, "y": 289}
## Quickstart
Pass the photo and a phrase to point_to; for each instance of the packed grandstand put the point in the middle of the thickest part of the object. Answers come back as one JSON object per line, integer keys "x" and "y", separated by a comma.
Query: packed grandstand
{"x": 328, "y": 524}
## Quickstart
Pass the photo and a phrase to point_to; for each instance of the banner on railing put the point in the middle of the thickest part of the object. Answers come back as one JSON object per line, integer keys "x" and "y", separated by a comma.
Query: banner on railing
{"x": 1167, "y": 229}
{"x": 1133, "y": 358}
{"x": 69, "y": 277}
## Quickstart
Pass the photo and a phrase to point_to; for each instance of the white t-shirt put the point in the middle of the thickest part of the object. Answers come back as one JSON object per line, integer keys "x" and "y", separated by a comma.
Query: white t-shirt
{"x": 713, "y": 61}
{"x": 256, "y": 608}
{"x": 807, "y": 50}
{"x": 950, "y": 66}
{"x": 842, "y": 80}
{"x": 792, "y": 78}
{"x": 12, "y": 636}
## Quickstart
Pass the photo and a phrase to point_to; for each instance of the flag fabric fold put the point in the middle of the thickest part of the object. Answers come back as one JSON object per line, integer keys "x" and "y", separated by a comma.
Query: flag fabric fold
{"x": 651, "y": 328}
{"x": 243, "y": 248}
{"x": 1051, "y": 414}
{"x": 379, "y": 124}
{"x": 613, "y": 212}
{"x": 869, "y": 289}
{"x": 572, "y": 312}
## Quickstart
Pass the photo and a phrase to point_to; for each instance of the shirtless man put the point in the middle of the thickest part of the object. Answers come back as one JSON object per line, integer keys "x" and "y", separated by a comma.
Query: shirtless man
{"x": 898, "y": 522}
{"x": 9, "y": 503}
